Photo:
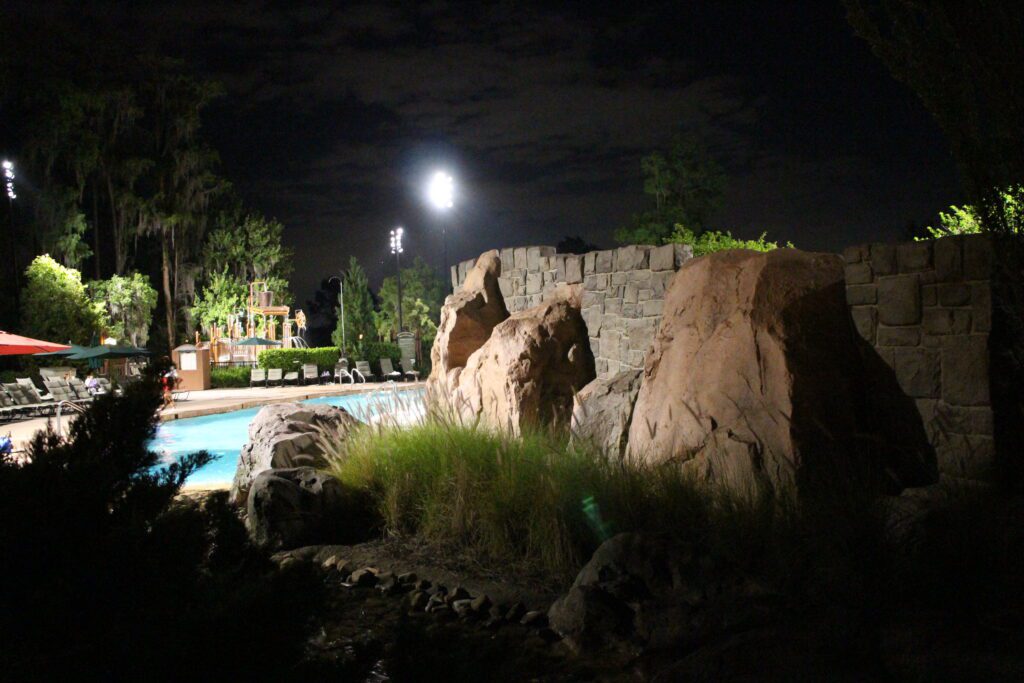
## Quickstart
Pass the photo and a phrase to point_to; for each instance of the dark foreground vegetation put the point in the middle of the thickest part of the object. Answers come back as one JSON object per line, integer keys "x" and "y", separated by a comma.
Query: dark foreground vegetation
{"x": 108, "y": 570}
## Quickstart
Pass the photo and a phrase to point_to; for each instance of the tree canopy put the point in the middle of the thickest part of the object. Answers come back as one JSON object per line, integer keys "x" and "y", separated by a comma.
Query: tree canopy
{"x": 56, "y": 306}
{"x": 687, "y": 185}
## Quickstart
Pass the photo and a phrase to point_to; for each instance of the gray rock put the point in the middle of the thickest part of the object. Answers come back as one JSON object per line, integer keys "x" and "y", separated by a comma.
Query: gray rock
{"x": 284, "y": 435}
{"x": 463, "y": 608}
{"x": 418, "y": 600}
{"x": 364, "y": 577}
{"x": 535, "y": 619}
{"x": 288, "y": 508}
{"x": 603, "y": 410}
{"x": 515, "y": 612}
{"x": 481, "y": 604}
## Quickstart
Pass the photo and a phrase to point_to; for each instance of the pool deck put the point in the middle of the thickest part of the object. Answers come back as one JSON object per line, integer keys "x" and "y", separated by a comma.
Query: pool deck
{"x": 216, "y": 401}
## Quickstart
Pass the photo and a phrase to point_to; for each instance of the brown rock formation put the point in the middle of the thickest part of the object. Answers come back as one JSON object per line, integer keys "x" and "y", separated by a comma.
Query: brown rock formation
{"x": 467, "y": 318}
{"x": 756, "y": 381}
{"x": 529, "y": 369}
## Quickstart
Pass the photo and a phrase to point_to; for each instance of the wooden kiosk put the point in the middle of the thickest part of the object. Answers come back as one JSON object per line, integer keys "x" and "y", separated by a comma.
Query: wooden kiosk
{"x": 193, "y": 363}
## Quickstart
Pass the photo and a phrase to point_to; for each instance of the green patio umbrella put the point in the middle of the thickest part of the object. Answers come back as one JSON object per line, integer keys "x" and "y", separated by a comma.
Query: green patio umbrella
{"x": 97, "y": 354}
{"x": 70, "y": 351}
{"x": 257, "y": 341}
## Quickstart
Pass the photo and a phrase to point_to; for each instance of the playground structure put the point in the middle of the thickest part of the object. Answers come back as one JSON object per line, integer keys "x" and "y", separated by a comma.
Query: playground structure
{"x": 261, "y": 318}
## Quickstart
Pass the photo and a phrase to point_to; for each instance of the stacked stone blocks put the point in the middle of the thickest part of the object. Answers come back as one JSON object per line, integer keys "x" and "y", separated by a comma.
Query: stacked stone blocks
{"x": 926, "y": 307}
{"x": 622, "y": 298}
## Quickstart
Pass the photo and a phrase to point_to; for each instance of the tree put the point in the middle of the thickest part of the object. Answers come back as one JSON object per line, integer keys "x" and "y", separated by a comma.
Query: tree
{"x": 419, "y": 283}
{"x": 183, "y": 178}
{"x": 56, "y": 306}
{"x": 223, "y": 296}
{"x": 129, "y": 302}
{"x": 248, "y": 247}
{"x": 358, "y": 309}
{"x": 963, "y": 60}
{"x": 687, "y": 185}
{"x": 966, "y": 219}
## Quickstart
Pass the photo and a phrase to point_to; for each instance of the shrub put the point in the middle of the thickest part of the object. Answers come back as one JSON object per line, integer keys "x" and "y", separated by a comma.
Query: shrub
{"x": 375, "y": 350}
{"x": 716, "y": 240}
{"x": 225, "y": 378}
{"x": 105, "y": 569}
{"x": 325, "y": 357}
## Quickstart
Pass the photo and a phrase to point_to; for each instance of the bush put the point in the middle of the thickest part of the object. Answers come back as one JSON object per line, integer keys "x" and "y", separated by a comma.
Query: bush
{"x": 715, "y": 240}
{"x": 105, "y": 569}
{"x": 374, "y": 351}
{"x": 225, "y": 378}
{"x": 325, "y": 357}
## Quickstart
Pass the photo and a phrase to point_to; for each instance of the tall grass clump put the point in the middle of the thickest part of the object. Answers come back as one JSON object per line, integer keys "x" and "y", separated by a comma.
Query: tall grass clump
{"x": 540, "y": 504}
{"x": 533, "y": 501}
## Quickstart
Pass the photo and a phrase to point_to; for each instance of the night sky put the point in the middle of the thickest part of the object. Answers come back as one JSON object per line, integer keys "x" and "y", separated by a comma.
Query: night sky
{"x": 336, "y": 114}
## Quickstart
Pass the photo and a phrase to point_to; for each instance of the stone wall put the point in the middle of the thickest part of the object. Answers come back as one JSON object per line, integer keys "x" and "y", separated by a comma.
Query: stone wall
{"x": 623, "y": 291}
{"x": 927, "y": 309}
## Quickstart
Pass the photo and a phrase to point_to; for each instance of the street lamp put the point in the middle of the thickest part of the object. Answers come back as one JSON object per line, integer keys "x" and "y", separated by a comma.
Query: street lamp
{"x": 396, "y": 249}
{"x": 8, "y": 169}
{"x": 341, "y": 308}
{"x": 441, "y": 193}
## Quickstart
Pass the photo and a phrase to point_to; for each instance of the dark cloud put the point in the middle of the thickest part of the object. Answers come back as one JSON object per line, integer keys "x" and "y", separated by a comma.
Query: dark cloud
{"x": 336, "y": 113}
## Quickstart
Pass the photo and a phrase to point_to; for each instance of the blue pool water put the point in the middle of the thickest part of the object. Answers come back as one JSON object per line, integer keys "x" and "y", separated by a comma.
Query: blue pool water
{"x": 224, "y": 435}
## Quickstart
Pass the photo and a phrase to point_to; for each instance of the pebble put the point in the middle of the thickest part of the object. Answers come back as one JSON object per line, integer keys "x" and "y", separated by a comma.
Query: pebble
{"x": 515, "y": 612}
{"x": 418, "y": 600}
{"x": 534, "y": 618}
{"x": 363, "y": 577}
{"x": 463, "y": 608}
{"x": 481, "y": 604}
{"x": 459, "y": 593}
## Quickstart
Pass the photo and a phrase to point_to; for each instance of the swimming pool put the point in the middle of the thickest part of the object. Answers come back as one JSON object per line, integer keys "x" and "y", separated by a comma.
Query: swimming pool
{"x": 224, "y": 434}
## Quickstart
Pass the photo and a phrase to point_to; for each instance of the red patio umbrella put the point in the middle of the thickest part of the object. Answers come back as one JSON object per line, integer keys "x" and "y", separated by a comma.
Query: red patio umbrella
{"x": 16, "y": 345}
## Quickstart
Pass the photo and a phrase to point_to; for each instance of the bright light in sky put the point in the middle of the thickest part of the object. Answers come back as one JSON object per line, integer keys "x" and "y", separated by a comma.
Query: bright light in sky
{"x": 441, "y": 190}
{"x": 396, "y": 241}
{"x": 9, "y": 179}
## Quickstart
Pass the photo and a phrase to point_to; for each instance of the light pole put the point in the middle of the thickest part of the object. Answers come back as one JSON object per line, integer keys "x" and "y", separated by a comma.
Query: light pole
{"x": 441, "y": 193}
{"x": 341, "y": 308}
{"x": 396, "y": 249}
{"x": 8, "y": 169}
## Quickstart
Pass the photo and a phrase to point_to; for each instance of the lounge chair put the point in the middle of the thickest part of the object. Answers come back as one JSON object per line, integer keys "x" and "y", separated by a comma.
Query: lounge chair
{"x": 274, "y": 375}
{"x": 8, "y": 409}
{"x": 341, "y": 372}
{"x": 25, "y": 403}
{"x": 405, "y": 365}
{"x": 256, "y": 376}
{"x": 310, "y": 372}
{"x": 33, "y": 391}
{"x": 60, "y": 390}
{"x": 291, "y": 377}
{"x": 36, "y": 396}
{"x": 80, "y": 390}
{"x": 363, "y": 371}
{"x": 387, "y": 370}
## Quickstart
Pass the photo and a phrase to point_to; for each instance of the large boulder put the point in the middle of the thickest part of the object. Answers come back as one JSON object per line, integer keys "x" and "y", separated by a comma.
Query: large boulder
{"x": 528, "y": 370}
{"x": 467, "y": 318}
{"x": 756, "y": 382}
{"x": 603, "y": 410}
{"x": 292, "y": 507}
{"x": 286, "y": 435}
